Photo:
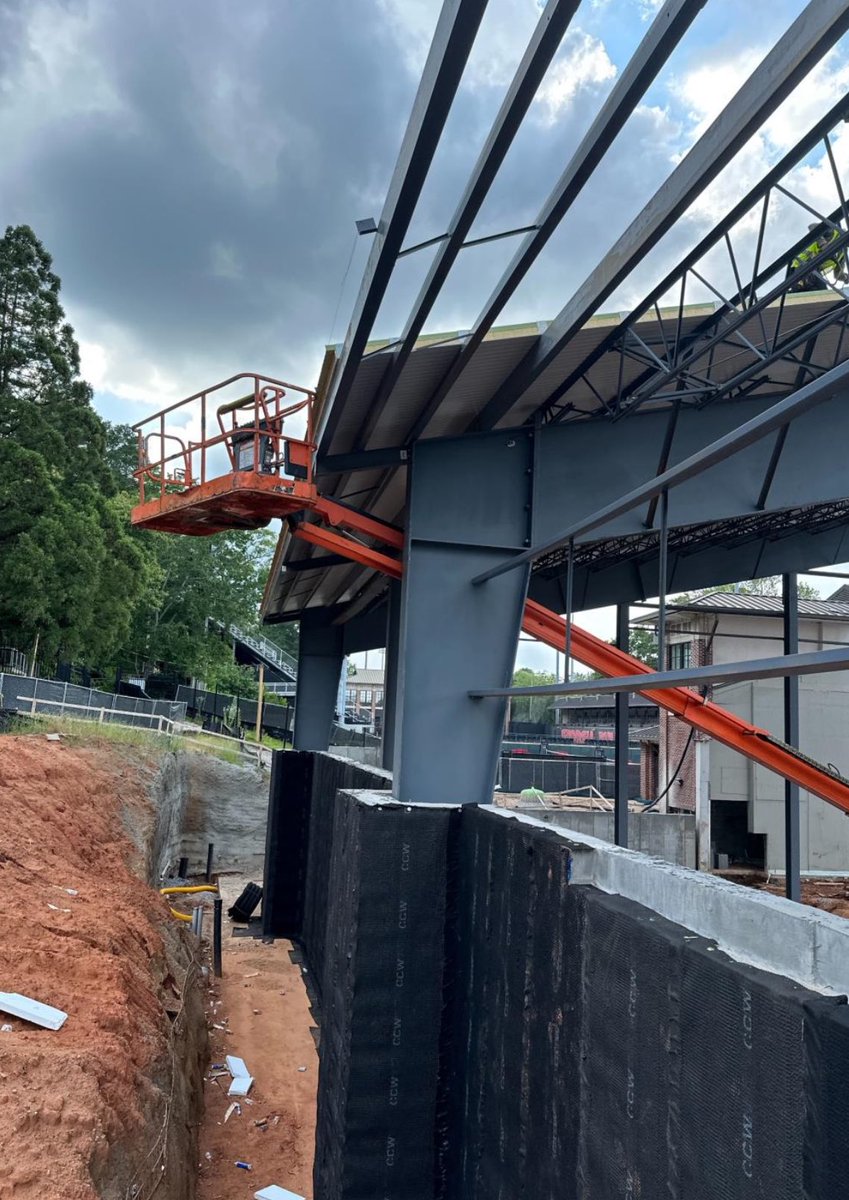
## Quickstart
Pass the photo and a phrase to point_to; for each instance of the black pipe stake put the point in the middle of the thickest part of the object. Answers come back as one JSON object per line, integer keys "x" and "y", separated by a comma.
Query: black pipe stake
{"x": 217, "y": 905}
{"x": 183, "y": 872}
{"x": 209, "y": 851}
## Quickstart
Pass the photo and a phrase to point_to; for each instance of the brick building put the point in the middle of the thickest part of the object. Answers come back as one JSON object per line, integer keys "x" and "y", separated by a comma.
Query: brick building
{"x": 364, "y": 695}
{"x": 739, "y": 805}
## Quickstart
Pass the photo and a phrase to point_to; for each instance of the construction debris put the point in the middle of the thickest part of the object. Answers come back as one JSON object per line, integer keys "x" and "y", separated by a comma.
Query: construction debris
{"x": 273, "y": 1192}
{"x": 242, "y": 1078}
{"x": 32, "y": 1010}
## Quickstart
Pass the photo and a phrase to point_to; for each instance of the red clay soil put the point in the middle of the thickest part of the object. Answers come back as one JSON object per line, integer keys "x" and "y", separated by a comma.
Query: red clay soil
{"x": 80, "y": 932}
{"x": 262, "y": 1005}
{"x": 830, "y": 895}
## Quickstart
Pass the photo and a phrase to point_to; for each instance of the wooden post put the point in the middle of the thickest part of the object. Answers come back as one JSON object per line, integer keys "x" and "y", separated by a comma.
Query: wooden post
{"x": 259, "y": 704}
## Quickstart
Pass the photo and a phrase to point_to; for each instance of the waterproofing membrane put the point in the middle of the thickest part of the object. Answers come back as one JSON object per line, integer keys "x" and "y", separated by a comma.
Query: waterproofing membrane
{"x": 381, "y": 1002}
{"x": 287, "y": 843}
{"x": 826, "y": 1068}
{"x": 512, "y": 1014}
{"x": 746, "y": 1091}
{"x": 492, "y": 1032}
{"x": 630, "y": 1053}
{"x": 329, "y": 776}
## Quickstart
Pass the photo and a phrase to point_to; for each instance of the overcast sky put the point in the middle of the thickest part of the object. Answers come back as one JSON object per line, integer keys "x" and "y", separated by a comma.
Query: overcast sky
{"x": 196, "y": 168}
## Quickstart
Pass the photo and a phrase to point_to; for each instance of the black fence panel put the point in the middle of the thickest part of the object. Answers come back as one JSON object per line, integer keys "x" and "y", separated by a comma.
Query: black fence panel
{"x": 559, "y": 775}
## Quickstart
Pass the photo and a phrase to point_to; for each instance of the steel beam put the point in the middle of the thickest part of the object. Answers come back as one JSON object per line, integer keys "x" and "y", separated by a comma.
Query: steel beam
{"x": 811, "y": 663}
{"x": 663, "y": 36}
{"x": 621, "y": 747}
{"x": 807, "y": 40}
{"x": 391, "y": 673}
{"x": 778, "y": 415}
{"x": 452, "y": 42}
{"x": 547, "y": 36}
{"x": 792, "y": 820}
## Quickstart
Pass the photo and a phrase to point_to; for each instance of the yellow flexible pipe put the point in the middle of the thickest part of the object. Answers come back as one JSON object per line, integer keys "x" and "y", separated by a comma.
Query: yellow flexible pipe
{"x": 180, "y": 916}
{"x": 206, "y": 887}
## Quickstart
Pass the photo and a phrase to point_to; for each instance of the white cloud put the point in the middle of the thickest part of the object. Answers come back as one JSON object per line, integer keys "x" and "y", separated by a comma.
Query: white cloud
{"x": 225, "y": 261}
{"x": 584, "y": 63}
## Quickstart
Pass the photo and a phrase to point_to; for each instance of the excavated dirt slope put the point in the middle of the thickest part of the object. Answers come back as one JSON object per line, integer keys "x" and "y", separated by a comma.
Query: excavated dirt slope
{"x": 108, "y": 1105}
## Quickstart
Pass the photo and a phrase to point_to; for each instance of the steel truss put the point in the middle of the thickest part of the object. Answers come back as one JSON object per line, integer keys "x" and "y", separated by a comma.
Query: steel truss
{"x": 699, "y": 366}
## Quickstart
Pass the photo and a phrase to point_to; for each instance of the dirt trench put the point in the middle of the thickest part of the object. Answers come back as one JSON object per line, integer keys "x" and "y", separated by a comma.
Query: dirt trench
{"x": 109, "y": 1105}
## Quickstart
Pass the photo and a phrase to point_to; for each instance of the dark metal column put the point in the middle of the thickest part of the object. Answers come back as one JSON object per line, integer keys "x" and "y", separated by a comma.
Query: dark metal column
{"x": 792, "y": 824}
{"x": 467, "y": 497}
{"x": 390, "y": 681}
{"x": 320, "y": 654}
{"x": 620, "y": 777}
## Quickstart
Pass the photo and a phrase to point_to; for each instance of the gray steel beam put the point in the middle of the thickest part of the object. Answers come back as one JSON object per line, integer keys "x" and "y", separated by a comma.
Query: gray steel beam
{"x": 452, "y": 42}
{"x": 547, "y": 36}
{"x": 391, "y": 672}
{"x": 621, "y": 747}
{"x": 792, "y": 816}
{"x": 807, "y": 40}
{"x": 813, "y": 663}
{"x": 320, "y": 654}
{"x": 748, "y": 434}
{"x": 663, "y": 36}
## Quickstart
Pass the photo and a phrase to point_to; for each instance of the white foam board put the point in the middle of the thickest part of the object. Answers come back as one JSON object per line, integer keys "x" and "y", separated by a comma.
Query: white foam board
{"x": 236, "y": 1066}
{"x": 32, "y": 1010}
{"x": 273, "y": 1192}
{"x": 240, "y": 1086}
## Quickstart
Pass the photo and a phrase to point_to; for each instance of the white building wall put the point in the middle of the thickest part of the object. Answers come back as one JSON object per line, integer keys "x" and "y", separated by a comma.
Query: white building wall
{"x": 823, "y": 735}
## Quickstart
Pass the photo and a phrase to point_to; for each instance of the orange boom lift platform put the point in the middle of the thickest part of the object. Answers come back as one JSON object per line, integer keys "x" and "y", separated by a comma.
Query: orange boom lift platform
{"x": 248, "y": 471}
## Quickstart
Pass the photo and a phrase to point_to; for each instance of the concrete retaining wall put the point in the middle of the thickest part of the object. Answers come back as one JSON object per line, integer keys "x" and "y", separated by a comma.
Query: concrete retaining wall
{"x": 670, "y": 836}
{"x": 513, "y": 1010}
{"x": 227, "y": 805}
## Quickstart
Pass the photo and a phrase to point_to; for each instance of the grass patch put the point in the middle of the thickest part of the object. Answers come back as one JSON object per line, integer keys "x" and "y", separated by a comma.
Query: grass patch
{"x": 93, "y": 733}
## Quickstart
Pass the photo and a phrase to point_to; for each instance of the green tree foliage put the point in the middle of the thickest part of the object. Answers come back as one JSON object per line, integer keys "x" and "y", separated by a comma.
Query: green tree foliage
{"x": 770, "y": 585}
{"x": 531, "y": 708}
{"x": 206, "y": 584}
{"x": 75, "y": 577}
{"x": 642, "y": 644}
{"x": 70, "y": 570}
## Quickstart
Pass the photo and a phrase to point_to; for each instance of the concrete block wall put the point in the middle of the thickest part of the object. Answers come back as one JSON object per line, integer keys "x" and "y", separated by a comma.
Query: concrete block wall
{"x": 670, "y": 836}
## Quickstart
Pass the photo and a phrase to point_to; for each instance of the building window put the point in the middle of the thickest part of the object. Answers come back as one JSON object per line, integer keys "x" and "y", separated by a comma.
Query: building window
{"x": 680, "y": 656}
{"x": 350, "y": 696}
{"x": 378, "y": 696}
{"x": 365, "y": 696}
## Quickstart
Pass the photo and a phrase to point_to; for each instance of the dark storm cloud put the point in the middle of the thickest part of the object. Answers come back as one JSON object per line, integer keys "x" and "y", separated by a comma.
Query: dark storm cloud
{"x": 212, "y": 196}
{"x": 196, "y": 169}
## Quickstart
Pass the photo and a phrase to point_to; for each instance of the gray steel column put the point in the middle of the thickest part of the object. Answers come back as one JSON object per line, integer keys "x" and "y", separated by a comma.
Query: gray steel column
{"x": 467, "y": 498}
{"x": 620, "y": 776}
{"x": 390, "y": 680}
{"x": 792, "y": 825}
{"x": 320, "y": 654}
